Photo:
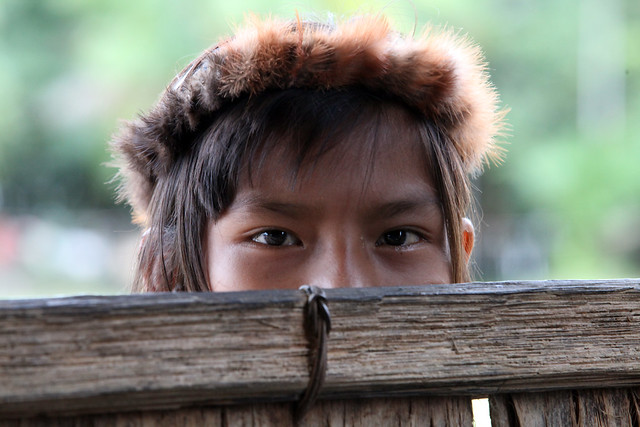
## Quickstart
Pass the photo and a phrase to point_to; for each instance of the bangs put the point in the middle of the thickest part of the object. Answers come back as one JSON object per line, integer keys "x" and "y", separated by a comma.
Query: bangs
{"x": 288, "y": 131}
{"x": 297, "y": 127}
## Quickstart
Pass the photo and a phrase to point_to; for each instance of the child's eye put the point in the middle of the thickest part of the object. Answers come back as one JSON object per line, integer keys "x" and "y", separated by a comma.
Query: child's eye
{"x": 399, "y": 238}
{"x": 275, "y": 238}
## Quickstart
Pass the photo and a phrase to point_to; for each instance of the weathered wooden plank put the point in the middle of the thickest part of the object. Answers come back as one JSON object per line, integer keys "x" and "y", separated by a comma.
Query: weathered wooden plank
{"x": 191, "y": 417}
{"x": 533, "y": 409}
{"x": 580, "y": 408}
{"x": 410, "y": 411}
{"x": 162, "y": 351}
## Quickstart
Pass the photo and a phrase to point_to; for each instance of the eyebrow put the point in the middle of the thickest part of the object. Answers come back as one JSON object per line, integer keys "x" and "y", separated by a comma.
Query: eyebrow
{"x": 258, "y": 203}
{"x": 404, "y": 206}
{"x": 387, "y": 209}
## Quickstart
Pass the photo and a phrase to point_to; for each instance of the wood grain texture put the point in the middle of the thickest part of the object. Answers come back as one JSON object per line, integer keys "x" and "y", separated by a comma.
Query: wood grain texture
{"x": 415, "y": 411}
{"x": 578, "y": 408}
{"x": 192, "y": 417}
{"x": 167, "y": 351}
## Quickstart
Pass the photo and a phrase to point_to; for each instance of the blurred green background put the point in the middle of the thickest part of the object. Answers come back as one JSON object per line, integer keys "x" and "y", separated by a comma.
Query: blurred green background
{"x": 565, "y": 204}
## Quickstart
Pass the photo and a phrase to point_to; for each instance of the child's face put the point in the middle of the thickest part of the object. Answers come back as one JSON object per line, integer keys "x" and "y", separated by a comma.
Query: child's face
{"x": 348, "y": 222}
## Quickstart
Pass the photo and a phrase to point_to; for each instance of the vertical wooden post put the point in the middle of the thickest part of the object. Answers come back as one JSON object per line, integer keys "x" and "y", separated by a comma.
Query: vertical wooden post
{"x": 581, "y": 408}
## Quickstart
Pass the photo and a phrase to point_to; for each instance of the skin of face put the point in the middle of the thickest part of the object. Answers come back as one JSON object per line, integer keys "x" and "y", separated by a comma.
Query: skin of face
{"x": 350, "y": 219}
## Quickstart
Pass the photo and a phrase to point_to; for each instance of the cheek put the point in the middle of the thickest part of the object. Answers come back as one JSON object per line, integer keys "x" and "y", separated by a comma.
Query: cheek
{"x": 230, "y": 272}
{"x": 427, "y": 267}
{"x": 238, "y": 269}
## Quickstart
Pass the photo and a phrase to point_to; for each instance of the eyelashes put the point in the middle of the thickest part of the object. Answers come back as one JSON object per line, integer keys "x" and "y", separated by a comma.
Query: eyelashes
{"x": 397, "y": 238}
{"x": 275, "y": 237}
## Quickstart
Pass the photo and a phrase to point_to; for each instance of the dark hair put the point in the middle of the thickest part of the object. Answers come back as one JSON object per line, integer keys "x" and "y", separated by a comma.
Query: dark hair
{"x": 203, "y": 181}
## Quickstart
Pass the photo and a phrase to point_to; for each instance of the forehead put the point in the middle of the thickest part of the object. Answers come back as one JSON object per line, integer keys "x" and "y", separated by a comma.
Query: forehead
{"x": 381, "y": 158}
{"x": 363, "y": 145}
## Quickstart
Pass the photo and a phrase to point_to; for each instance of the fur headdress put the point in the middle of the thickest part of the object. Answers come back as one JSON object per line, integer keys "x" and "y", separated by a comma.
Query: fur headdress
{"x": 438, "y": 74}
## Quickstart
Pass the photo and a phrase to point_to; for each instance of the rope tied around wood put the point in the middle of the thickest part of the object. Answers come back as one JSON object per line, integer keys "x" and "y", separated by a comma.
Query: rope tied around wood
{"x": 317, "y": 324}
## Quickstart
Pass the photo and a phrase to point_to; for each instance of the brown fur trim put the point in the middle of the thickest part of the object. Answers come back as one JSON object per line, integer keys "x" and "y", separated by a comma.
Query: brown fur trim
{"x": 441, "y": 75}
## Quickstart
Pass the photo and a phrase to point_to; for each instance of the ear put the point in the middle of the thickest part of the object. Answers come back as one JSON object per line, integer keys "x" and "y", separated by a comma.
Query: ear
{"x": 468, "y": 237}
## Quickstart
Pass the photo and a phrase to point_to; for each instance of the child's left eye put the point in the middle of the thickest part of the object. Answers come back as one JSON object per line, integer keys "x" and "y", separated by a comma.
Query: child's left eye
{"x": 399, "y": 238}
{"x": 275, "y": 238}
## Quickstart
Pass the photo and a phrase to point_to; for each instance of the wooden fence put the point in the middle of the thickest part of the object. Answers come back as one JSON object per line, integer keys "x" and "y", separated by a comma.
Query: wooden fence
{"x": 545, "y": 353}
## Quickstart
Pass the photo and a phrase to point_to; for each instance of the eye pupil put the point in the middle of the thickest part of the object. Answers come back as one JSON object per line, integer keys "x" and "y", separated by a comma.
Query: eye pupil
{"x": 275, "y": 237}
{"x": 395, "y": 238}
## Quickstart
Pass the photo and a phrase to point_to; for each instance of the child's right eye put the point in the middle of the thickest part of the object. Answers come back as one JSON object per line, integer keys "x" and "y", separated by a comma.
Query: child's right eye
{"x": 275, "y": 238}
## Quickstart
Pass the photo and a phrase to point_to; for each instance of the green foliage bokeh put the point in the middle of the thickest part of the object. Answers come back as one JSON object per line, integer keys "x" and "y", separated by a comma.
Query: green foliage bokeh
{"x": 70, "y": 69}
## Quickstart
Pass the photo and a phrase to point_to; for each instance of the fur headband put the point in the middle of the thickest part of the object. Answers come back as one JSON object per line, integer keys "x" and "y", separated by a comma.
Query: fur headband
{"x": 441, "y": 75}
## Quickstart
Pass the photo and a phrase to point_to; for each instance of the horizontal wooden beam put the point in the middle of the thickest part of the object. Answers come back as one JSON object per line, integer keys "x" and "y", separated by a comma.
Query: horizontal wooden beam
{"x": 94, "y": 354}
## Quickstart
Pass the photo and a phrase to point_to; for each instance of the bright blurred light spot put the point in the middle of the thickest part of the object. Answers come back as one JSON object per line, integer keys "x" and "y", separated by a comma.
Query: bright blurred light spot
{"x": 481, "y": 416}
